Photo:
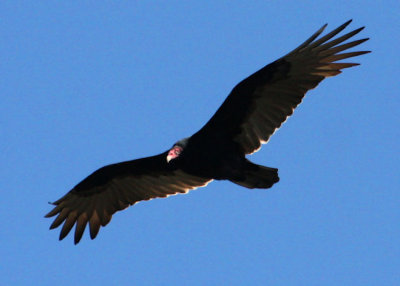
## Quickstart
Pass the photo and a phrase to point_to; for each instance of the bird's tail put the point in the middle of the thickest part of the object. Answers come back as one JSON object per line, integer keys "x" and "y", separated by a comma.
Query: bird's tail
{"x": 258, "y": 177}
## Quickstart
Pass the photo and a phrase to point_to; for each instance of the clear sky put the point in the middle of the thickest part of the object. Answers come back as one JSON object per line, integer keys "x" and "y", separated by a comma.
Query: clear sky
{"x": 88, "y": 83}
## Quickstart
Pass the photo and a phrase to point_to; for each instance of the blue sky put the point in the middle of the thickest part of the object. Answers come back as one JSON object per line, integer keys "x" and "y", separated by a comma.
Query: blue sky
{"x": 88, "y": 84}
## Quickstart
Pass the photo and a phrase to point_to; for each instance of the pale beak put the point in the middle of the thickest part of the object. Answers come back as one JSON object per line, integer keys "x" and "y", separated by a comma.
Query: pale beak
{"x": 174, "y": 153}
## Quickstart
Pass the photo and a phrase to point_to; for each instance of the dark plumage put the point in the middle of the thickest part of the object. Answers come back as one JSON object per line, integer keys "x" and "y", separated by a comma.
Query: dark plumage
{"x": 251, "y": 113}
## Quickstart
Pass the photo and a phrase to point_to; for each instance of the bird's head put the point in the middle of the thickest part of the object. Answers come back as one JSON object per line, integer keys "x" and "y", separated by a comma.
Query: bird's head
{"x": 177, "y": 149}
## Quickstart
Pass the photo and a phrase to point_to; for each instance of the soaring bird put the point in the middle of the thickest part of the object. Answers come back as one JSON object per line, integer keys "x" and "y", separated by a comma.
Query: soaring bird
{"x": 253, "y": 111}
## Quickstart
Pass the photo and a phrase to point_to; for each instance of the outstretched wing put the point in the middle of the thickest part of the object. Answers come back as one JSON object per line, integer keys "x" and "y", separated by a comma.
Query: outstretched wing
{"x": 259, "y": 104}
{"x": 115, "y": 187}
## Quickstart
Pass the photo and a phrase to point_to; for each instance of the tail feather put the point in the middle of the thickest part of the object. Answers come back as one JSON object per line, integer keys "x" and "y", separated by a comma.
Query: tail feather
{"x": 258, "y": 177}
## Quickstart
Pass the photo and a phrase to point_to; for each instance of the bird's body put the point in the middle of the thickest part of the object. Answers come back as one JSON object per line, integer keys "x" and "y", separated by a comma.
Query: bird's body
{"x": 219, "y": 159}
{"x": 254, "y": 109}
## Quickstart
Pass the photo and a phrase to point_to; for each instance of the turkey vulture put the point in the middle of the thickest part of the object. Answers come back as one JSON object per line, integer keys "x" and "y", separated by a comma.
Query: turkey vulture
{"x": 254, "y": 109}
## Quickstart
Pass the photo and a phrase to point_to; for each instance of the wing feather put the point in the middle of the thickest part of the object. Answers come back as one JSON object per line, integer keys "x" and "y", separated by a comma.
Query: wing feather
{"x": 69, "y": 223}
{"x": 79, "y": 228}
{"x": 94, "y": 225}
